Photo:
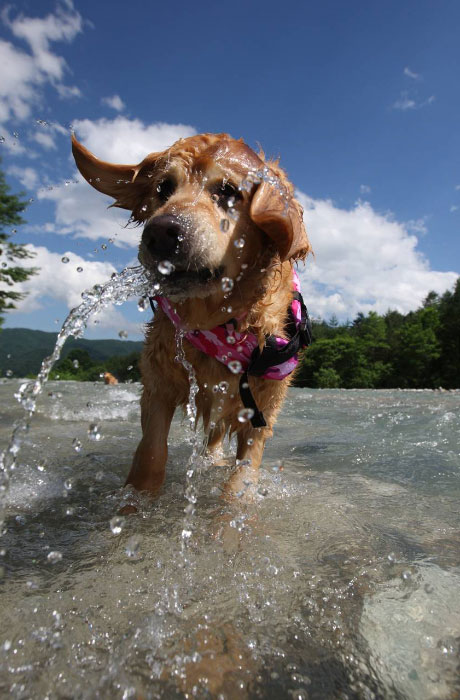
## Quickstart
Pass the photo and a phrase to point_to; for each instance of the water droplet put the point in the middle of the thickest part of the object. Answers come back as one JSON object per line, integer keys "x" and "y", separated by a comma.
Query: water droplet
{"x": 110, "y": 240}
{"x": 391, "y": 558}
{"x": 262, "y": 491}
{"x": 224, "y": 225}
{"x": 104, "y": 246}
{"x": 165, "y": 267}
{"x": 239, "y": 243}
{"x": 245, "y": 414}
{"x": 65, "y": 259}
{"x": 116, "y": 524}
{"x": 99, "y": 475}
{"x": 227, "y": 284}
{"x": 129, "y": 368}
{"x": 79, "y": 269}
{"x": 250, "y": 441}
{"x": 15, "y": 134}
{"x": 93, "y": 432}
{"x": 278, "y": 466}
{"x": 9, "y": 372}
{"x": 2, "y": 139}
{"x": 428, "y": 588}
{"x": 76, "y": 444}
{"x": 230, "y": 340}
{"x": 298, "y": 694}
{"x": 144, "y": 207}
{"x": 235, "y": 366}
{"x": 406, "y": 575}
{"x": 70, "y": 510}
{"x": 132, "y": 548}
{"x": 41, "y": 466}
{"x": 223, "y": 387}
{"x": 76, "y": 364}
{"x": 54, "y": 556}
{"x": 68, "y": 484}
{"x": 123, "y": 334}
{"x": 142, "y": 303}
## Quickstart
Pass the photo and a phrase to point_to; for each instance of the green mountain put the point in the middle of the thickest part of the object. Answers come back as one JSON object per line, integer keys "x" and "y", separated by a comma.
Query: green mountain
{"x": 22, "y": 350}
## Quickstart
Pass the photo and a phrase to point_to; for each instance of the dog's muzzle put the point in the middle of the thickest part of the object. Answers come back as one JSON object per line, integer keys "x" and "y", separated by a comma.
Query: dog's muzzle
{"x": 165, "y": 238}
{"x": 163, "y": 235}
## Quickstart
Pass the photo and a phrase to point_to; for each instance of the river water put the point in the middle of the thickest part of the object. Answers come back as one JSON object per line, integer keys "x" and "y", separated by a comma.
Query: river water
{"x": 340, "y": 580}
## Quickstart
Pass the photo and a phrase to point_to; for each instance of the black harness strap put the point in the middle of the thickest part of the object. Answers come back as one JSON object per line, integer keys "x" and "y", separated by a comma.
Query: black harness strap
{"x": 271, "y": 355}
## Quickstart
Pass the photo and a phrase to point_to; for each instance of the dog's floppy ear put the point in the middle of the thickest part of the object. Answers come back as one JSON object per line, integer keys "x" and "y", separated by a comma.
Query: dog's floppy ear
{"x": 281, "y": 220}
{"x": 125, "y": 183}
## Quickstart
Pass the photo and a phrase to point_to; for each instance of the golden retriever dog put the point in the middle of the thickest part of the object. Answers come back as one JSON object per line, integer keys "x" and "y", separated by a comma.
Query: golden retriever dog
{"x": 222, "y": 230}
{"x": 110, "y": 379}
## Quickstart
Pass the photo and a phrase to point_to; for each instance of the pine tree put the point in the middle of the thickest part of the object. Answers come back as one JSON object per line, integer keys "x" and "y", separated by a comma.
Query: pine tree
{"x": 11, "y": 206}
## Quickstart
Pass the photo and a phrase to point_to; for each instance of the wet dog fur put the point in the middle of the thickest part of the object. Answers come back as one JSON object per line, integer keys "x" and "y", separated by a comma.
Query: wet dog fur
{"x": 181, "y": 196}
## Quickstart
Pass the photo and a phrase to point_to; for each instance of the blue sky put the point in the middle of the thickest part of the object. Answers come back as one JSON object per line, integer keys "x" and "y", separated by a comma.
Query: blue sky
{"x": 359, "y": 100}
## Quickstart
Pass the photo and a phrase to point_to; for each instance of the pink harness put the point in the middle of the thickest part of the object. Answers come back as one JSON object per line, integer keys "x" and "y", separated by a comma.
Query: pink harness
{"x": 240, "y": 351}
{"x": 235, "y": 349}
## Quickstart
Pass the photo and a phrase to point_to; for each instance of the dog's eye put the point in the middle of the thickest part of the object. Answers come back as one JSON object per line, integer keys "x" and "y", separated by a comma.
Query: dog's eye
{"x": 165, "y": 189}
{"x": 226, "y": 195}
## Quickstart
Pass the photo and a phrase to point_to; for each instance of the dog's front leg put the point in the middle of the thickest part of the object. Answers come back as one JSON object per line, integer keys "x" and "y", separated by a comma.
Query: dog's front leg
{"x": 148, "y": 469}
{"x": 250, "y": 450}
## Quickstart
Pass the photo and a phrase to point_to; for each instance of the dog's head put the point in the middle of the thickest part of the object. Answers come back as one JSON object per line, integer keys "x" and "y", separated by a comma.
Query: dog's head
{"x": 210, "y": 207}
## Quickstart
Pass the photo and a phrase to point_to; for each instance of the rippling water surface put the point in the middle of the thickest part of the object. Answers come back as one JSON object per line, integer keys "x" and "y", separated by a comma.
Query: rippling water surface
{"x": 341, "y": 580}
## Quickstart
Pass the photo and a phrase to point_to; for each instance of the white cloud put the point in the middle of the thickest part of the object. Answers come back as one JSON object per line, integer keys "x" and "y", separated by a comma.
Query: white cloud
{"x": 404, "y": 102}
{"x": 44, "y": 139}
{"x": 59, "y": 280}
{"x": 115, "y": 102}
{"x": 66, "y": 92}
{"x": 409, "y": 101}
{"x": 26, "y": 176}
{"x": 365, "y": 189}
{"x": 364, "y": 261}
{"x": 417, "y": 225}
{"x": 62, "y": 283}
{"x": 411, "y": 74}
{"x": 453, "y": 208}
{"x": 123, "y": 140}
{"x": 80, "y": 210}
{"x": 25, "y": 74}
{"x": 457, "y": 187}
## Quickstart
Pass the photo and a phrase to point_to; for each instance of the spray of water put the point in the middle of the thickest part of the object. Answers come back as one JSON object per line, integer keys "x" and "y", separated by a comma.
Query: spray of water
{"x": 132, "y": 281}
{"x": 190, "y": 487}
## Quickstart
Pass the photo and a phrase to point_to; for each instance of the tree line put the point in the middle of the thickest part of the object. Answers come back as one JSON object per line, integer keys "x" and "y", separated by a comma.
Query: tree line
{"x": 80, "y": 366}
{"x": 420, "y": 349}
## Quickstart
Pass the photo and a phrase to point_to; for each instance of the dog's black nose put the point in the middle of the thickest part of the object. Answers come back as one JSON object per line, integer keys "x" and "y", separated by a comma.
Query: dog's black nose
{"x": 162, "y": 236}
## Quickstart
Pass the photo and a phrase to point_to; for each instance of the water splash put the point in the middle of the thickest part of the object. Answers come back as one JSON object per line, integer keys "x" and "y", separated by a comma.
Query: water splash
{"x": 132, "y": 281}
{"x": 190, "y": 487}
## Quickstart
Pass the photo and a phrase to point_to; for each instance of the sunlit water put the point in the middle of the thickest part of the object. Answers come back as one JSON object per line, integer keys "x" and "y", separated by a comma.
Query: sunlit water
{"x": 341, "y": 580}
